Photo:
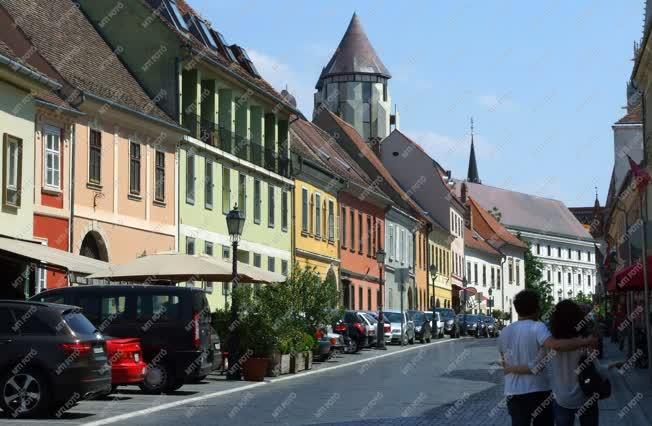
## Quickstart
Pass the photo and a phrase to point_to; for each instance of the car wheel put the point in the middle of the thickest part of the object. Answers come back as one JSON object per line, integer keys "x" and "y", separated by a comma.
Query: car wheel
{"x": 156, "y": 379}
{"x": 173, "y": 384}
{"x": 25, "y": 393}
{"x": 411, "y": 341}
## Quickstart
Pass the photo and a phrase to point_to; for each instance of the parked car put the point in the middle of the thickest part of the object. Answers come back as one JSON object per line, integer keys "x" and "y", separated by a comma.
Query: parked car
{"x": 422, "y": 329}
{"x": 51, "y": 357}
{"x": 173, "y": 324}
{"x": 371, "y": 326}
{"x": 436, "y": 324}
{"x": 328, "y": 344}
{"x": 491, "y": 326}
{"x": 395, "y": 319}
{"x": 353, "y": 328}
{"x": 387, "y": 327}
{"x": 216, "y": 347}
{"x": 126, "y": 360}
{"x": 473, "y": 324}
{"x": 451, "y": 322}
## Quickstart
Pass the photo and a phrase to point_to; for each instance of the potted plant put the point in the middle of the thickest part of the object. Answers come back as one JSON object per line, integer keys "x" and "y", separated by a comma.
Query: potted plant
{"x": 258, "y": 344}
{"x": 280, "y": 358}
{"x": 308, "y": 343}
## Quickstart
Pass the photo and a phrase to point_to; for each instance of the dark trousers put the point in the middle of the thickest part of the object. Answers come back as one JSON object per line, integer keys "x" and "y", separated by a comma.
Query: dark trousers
{"x": 531, "y": 409}
{"x": 588, "y": 415}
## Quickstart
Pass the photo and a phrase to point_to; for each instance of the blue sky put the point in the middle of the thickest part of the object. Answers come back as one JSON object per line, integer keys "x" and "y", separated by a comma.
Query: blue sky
{"x": 544, "y": 81}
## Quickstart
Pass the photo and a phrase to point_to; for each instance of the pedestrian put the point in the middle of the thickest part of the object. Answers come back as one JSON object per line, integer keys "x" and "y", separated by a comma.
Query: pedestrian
{"x": 524, "y": 343}
{"x": 569, "y": 321}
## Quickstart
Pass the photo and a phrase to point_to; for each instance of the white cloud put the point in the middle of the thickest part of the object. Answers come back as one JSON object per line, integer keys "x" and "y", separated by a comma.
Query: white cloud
{"x": 280, "y": 75}
{"x": 493, "y": 102}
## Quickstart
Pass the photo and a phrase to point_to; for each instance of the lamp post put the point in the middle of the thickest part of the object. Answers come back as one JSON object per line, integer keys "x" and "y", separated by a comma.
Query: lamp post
{"x": 433, "y": 276}
{"x": 235, "y": 220}
{"x": 380, "y": 330}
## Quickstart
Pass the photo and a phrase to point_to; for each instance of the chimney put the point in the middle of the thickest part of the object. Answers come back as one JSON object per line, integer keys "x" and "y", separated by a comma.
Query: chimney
{"x": 463, "y": 194}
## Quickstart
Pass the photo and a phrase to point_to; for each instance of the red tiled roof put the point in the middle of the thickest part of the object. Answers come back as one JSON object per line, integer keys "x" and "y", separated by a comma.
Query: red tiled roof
{"x": 475, "y": 241}
{"x": 633, "y": 116}
{"x": 319, "y": 147}
{"x": 490, "y": 229}
{"x": 364, "y": 151}
{"x": 64, "y": 37}
{"x": 260, "y": 83}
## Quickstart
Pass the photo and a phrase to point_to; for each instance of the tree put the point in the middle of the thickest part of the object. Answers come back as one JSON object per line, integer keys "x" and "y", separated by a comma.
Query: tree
{"x": 497, "y": 313}
{"x": 534, "y": 280}
{"x": 583, "y": 299}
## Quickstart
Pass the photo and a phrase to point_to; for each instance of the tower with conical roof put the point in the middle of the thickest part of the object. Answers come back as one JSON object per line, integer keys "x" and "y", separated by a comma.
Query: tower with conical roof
{"x": 354, "y": 84}
{"x": 472, "y": 174}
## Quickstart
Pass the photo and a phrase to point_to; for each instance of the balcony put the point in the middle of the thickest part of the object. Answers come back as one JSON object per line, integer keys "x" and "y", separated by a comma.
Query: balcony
{"x": 243, "y": 148}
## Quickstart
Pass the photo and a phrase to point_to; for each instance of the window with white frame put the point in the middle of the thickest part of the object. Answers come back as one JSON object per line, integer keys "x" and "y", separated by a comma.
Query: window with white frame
{"x": 317, "y": 215}
{"x": 52, "y": 164}
{"x": 134, "y": 168}
{"x": 392, "y": 252}
{"x": 95, "y": 156}
{"x": 257, "y": 200}
{"x": 159, "y": 177}
{"x": 41, "y": 279}
{"x": 242, "y": 193}
{"x": 331, "y": 221}
{"x": 285, "y": 210}
{"x": 304, "y": 210}
{"x": 190, "y": 178}
{"x": 271, "y": 206}
{"x": 12, "y": 170}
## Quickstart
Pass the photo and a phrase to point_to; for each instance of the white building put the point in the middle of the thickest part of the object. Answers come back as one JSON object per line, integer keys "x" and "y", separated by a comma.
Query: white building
{"x": 557, "y": 238}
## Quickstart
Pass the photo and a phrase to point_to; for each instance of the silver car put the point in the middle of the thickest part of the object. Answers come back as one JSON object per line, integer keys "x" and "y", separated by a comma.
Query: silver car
{"x": 396, "y": 318}
{"x": 436, "y": 324}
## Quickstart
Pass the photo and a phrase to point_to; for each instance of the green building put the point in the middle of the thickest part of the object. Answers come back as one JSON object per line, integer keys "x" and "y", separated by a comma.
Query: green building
{"x": 237, "y": 149}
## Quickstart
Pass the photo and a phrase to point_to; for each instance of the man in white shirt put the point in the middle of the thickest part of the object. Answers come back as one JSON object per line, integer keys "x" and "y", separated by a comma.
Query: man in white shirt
{"x": 529, "y": 399}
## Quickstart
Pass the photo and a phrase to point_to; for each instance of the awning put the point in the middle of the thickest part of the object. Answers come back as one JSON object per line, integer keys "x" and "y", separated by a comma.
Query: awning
{"x": 177, "y": 267}
{"x": 630, "y": 278}
{"x": 50, "y": 256}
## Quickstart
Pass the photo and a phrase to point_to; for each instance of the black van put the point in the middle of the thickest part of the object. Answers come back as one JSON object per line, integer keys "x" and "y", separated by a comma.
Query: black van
{"x": 173, "y": 323}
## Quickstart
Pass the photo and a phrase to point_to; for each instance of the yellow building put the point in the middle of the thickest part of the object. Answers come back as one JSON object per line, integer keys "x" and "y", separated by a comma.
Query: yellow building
{"x": 316, "y": 232}
{"x": 439, "y": 241}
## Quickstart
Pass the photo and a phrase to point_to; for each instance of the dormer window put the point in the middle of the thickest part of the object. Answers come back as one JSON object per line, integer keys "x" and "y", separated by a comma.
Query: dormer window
{"x": 202, "y": 31}
{"x": 244, "y": 60}
{"x": 175, "y": 16}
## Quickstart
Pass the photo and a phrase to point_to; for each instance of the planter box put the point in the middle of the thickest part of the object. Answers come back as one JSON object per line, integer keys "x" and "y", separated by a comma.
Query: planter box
{"x": 297, "y": 362}
{"x": 254, "y": 369}
{"x": 278, "y": 364}
{"x": 308, "y": 360}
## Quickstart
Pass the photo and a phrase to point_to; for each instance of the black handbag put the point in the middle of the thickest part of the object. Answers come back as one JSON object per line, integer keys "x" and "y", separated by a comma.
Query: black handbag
{"x": 591, "y": 382}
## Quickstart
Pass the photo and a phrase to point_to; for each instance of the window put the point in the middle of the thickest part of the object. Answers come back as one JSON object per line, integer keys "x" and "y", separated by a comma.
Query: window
{"x": 95, "y": 157}
{"x": 270, "y": 206}
{"x": 331, "y": 221}
{"x": 112, "y": 306}
{"x": 343, "y": 227}
{"x": 360, "y": 242}
{"x": 41, "y": 279}
{"x": 468, "y": 272}
{"x": 366, "y": 110}
{"x": 369, "y": 232}
{"x": 242, "y": 193}
{"x": 559, "y": 277}
{"x": 579, "y": 279}
{"x": 590, "y": 257}
{"x": 226, "y": 252}
{"x": 134, "y": 168}
{"x": 271, "y": 264}
{"x": 475, "y": 273}
{"x": 392, "y": 253}
{"x": 352, "y": 229}
{"x": 163, "y": 307}
{"x": 208, "y": 248}
{"x": 190, "y": 245}
{"x": 484, "y": 275}
{"x": 360, "y": 298}
{"x": 510, "y": 265}
{"x": 368, "y": 299}
{"x": 401, "y": 246}
{"x": 579, "y": 255}
{"x": 226, "y": 190}
{"x": 538, "y": 249}
{"x": 52, "y": 157}
{"x": 257, "y": 201}
{"x": 570, "y": 255}
{"x": 493, "y": 280}
{"x": 317, "y": 215}
{"x": 549, "y": 251}
{"x": 570, "y": 279}
{"x": 518, "y": 273}
{"x": 284, "y": 267}
{"x": 284, "y": 210}
{"x": 588, "y": 280}
{"x": 258, "y": 262}
{"x": 12, "y": 170}
{"x": 225, "y": 288}
{"x": 208, "y": 184}
{"x": 558, "y": 251}
{"x": 159, "y": 177}
{"x": 549, "y": 277}
{"x": 304, "y": 210}
{"x": 498, "y": 279}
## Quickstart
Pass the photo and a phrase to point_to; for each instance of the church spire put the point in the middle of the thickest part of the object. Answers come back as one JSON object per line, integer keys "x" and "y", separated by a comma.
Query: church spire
{"x": 472, "y": 174}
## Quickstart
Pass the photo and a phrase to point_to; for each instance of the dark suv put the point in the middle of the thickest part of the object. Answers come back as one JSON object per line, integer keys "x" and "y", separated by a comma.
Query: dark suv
{"x": 173, "y": 324}
{"x": 51, "y": 357}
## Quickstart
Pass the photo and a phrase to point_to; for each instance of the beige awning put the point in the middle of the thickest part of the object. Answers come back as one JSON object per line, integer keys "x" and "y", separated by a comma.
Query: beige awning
{"x": 179, "y": 267}
{"x": 50, "y": 256}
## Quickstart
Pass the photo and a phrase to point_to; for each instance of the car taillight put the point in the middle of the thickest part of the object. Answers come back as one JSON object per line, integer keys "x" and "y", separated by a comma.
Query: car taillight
{"x": 77, "y": 347}
{"x": 387, "y": 328}
{"x": 195, "y": 335}
{"x": 360, "y": 328}
{"x": 333, "y": 341}
{"x": 319, "y": 334}
{"x": 340, "y": 328}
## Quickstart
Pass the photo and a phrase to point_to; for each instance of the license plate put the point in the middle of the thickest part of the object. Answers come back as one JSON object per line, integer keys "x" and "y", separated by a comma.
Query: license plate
{"x": 98, "y": 350}
{"x": 216, "y": 346}
{"x": 137, "y": 357}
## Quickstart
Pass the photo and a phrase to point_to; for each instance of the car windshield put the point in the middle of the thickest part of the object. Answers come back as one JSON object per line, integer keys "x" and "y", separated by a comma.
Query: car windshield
{"x": 393, "y": 316}
{"x": 429, "y": 316}
{"x": 418, "y": 317}
{"x": 472, "y": 318}
{"x": 446, "y": 314}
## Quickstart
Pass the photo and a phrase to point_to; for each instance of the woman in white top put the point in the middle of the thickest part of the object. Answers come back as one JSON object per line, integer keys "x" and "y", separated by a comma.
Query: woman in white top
{"x": 567, "y": 321}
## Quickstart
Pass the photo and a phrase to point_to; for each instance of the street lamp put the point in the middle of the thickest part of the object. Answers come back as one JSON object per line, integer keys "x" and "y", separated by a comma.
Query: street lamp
{"x": 380, "y": 330}
{"x": 433, "y": 276}
{"x": 235, "y": 220}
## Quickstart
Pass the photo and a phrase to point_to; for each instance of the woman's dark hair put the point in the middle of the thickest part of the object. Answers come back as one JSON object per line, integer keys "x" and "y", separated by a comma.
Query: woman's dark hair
{"x": 526, "y": 303}
{"x": 567, "y": 320}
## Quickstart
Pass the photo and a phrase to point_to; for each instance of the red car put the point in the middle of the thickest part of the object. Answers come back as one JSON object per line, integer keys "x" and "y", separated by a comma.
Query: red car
{"x": 126, "y": 359}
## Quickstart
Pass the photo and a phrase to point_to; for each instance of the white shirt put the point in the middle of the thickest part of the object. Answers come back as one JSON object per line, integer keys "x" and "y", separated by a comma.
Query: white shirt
{"x": 521, "y": 343}
{"x": 564, "y": 380}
